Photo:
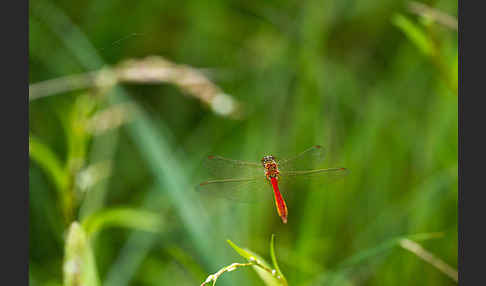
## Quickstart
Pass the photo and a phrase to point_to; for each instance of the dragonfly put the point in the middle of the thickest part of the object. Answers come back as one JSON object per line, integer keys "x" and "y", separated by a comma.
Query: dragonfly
{"x": 236, "y": 179}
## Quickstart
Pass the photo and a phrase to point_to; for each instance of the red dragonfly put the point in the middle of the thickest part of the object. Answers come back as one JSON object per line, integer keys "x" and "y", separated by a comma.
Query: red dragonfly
{"x": 237, "y": 179}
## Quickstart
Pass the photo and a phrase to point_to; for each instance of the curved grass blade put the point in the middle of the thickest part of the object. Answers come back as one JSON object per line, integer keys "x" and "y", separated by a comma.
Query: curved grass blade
{"x": 261, "y": 267}
{"x": 274, "y": 261}
{"x": 346, "y": 266}
{"x": 233, "y": 266}
{"x": 430, "y": 258}
{"x": 121, "y": 217}
{"x": 49, "y": 161}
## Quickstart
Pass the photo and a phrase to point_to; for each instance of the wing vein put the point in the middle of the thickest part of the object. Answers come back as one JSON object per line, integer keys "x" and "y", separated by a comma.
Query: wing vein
{"x": 308, "y": 172}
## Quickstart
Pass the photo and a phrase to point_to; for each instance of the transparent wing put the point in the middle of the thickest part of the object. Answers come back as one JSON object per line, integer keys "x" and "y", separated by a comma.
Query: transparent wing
{"x": 325, "y": 174}
{"x": 220, "y": 167}
{"x": 306, "y": 160}
{"x": 293, "y": 181}
{"x": 241, "y": 190}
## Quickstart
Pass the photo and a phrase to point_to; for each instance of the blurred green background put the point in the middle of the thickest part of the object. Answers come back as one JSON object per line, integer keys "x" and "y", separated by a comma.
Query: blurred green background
{"x": 375, "y": 82}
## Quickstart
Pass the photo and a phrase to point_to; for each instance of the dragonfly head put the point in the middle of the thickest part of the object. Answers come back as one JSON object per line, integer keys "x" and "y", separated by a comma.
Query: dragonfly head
{"x": 268, "y": 159}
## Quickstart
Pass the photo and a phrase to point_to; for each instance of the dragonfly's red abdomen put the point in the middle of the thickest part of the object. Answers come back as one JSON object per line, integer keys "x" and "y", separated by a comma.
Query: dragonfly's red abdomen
{"x": 279, "y": 201}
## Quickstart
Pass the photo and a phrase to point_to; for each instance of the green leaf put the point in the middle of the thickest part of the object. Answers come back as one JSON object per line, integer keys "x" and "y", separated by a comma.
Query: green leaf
{"x": 414, "y": 33}
{"x": 121, "y": 217}
{"x": 75, "y": 124}
{"x": 49, "y": 162}
{"x": 79, "y": 264}
{"x": 54, "y": 168}
{"x": 261, "y": 267}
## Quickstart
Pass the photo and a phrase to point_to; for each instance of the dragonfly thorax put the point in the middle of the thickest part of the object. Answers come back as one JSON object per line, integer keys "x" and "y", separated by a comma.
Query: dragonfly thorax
{"x": 271, "y": 166}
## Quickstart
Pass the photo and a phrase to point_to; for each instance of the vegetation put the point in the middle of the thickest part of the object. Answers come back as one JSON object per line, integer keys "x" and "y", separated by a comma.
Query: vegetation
{"x": 128, "y": 98}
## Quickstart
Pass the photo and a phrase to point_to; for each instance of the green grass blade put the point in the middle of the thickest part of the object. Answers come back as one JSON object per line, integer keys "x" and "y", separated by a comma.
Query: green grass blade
{"x": 121, "y": 217}
{"x": 274, "y": 260}
{"x": 79, "y": 264}
{"x": 365, "y": 255}
{"x": 430, "y": 258}
{"x": 49, "y": 162}
{"x": 261, "y": 267}
{"x": 415, "y": 34}
{"x": 155, "y": 144}
{"x": 54, "y": 168}
{"x": 185, "y": 259}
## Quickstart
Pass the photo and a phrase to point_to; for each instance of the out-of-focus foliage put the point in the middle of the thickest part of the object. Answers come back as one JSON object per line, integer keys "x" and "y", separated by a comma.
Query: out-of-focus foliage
{"x": 128, "y": 98}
